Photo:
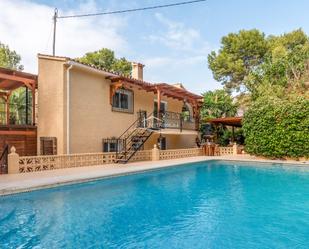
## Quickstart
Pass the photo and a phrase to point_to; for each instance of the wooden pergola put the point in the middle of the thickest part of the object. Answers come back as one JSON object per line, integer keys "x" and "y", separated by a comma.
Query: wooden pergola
{"x": 227, "y": 121}
{"x": 160, "y": 89}
{"x": 10, "y": 80}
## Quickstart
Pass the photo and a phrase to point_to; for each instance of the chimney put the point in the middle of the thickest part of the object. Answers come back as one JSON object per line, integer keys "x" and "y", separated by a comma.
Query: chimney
{"x": 137, "y": 70}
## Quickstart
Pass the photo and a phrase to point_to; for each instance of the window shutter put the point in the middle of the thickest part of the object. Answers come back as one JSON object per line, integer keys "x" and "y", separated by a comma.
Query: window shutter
{"x": 48, "y": 145}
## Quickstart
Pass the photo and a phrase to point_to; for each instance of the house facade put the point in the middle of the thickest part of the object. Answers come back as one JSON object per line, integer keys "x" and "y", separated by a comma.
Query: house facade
{"x": 84, "y": 109}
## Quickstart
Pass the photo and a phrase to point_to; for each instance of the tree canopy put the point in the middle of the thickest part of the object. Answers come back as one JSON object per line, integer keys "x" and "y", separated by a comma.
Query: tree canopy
{"x": 105, "y": 59}
{"x": 9, "y": 58}
{"x": 217, "y": 104}
{"x": 248, "y": 59}
{"x": 277, "y": 120}
{"x": 271, "y": 76}
{"x": 239, "y": 54}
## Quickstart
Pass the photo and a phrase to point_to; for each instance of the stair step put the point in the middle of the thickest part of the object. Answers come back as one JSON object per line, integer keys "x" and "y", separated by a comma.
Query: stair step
{"x": 122, "y": 161}
{"x": 135, "y": 142}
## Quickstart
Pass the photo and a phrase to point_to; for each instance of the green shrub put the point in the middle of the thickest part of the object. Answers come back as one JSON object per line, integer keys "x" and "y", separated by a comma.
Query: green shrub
{"x": 225, "y": 136}
{"x": 278, "y": 128}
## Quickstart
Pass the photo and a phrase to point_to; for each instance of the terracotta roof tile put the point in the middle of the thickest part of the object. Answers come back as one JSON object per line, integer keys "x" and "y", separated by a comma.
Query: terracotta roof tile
{"x": 151, "y": 86}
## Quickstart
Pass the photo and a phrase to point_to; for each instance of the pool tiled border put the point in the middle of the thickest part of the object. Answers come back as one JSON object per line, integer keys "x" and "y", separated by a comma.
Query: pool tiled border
{"x": 18, "y": 183}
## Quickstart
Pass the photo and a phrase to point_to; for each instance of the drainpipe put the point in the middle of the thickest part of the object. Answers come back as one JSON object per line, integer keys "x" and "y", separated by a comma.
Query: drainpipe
{"x": 68, "y": 108}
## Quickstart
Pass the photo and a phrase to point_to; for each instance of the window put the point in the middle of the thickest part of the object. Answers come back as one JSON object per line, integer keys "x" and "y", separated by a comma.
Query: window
{"x": 110, "y": 145}
{"x": 163, "y": 106}
{"x": 48, "y": 145}
{"x": 123, "y": 101}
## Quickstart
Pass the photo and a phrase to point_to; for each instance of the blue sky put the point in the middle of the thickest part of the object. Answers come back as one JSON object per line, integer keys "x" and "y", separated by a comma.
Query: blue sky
{"x": 173, "y": 43}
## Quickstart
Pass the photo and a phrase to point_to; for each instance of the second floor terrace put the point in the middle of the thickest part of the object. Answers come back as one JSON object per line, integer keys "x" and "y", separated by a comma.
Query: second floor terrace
{"x": 17, "y": 98}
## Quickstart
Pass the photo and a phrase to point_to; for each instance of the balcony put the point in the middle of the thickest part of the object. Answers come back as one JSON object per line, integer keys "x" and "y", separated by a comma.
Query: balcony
{"x": 19, "y": 115}
{"x": 174, "y": 120}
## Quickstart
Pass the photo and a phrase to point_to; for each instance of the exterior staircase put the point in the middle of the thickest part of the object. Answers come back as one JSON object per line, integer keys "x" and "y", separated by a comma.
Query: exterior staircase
{"x": 133, "y": 139}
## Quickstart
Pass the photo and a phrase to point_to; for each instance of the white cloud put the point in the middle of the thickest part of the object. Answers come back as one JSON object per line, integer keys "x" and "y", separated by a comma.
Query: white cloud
{"x": 27, "y": 28}
{"x": 177, "y": 35}
{"x": 191, "y": 71}
{"x": 174, "y": 62}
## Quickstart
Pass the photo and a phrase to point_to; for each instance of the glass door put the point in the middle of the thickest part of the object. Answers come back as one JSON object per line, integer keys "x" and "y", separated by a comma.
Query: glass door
{"x": 142, "y": 118}
{"x": 161, "y": 114}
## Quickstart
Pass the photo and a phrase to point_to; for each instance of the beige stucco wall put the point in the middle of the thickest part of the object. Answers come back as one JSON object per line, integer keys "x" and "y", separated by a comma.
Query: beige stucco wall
{"x": 172, "y": 141}
{"x": 90, "y": 113}
{"x": 51, "y": 102}
{"x": 92, "y": 118}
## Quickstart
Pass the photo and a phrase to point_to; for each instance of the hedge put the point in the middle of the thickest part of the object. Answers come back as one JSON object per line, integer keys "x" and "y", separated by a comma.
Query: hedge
{"x": 277, "y": 128}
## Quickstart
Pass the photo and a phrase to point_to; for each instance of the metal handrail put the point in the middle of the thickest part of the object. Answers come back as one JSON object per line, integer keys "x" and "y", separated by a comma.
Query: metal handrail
{"x": 127, "y": 134}
{"x": 132, "y": 125}
{"x": 4, "y": 160}
{"x": 174, "y": 120}
{"x": 142, "y": 128}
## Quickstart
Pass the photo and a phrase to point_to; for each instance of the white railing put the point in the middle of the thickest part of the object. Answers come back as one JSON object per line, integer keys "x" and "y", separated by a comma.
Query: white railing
{"x": 142, "y": 155}
{"x": 24, "y": 164}
{"x": 39, "y": 163}
{"x": 180, "y": 153}
{"x": 223, "y": 151}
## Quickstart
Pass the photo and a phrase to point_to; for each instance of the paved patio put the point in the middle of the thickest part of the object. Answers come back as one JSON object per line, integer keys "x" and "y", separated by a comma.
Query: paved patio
{"x": 15, "y": 183}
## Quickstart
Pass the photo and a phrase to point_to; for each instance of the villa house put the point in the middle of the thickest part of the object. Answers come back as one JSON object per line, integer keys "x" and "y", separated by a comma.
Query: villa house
{"x": 83, "y": 109}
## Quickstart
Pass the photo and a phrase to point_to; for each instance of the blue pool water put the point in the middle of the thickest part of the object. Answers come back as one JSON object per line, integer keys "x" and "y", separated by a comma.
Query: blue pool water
{"x": 203, "y": 205}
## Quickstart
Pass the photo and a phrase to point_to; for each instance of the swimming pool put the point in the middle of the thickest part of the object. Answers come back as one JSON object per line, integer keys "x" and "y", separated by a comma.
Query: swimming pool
{"x": 213, "y": 204}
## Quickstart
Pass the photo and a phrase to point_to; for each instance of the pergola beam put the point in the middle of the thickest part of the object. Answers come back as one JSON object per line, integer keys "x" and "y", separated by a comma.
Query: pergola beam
{"x": 181, "y": 96}
{"x": 161, "y": 89}
{"x": 113, "y": 88}
{"x": 4, "y": 81}
{"x": 229, "y": 121}
{"x": 16, "y": 78}
{"x": 158, "y": 102}
{"x": 11, "y": 80}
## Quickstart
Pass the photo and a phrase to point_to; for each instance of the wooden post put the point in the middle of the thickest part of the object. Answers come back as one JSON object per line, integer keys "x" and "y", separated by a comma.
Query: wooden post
{"x": 233, "y": 134}
{"x": 33, "y": 105}
{"x": 158, "y": 102}
{"x": 8, "y": 109}
{"x": 13, "y": 161}
{"x": 27, "y": 102}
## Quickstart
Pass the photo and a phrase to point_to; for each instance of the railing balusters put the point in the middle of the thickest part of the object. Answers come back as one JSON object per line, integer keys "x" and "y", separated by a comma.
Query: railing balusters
{"x": 134, "y": 137}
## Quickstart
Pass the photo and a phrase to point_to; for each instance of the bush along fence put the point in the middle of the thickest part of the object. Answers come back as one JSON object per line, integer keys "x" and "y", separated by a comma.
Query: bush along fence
{"x": 277, "y": 128}
{"x": 23, "y": 164}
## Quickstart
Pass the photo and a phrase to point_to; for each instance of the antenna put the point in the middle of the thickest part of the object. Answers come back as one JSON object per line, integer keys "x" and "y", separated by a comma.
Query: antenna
{"x": 55, "y": 25}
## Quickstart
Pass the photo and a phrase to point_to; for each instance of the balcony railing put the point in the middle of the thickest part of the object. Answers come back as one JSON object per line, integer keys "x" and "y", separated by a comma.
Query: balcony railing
{"x": 19, "y": 115}
{"x": 174, "y": 120}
